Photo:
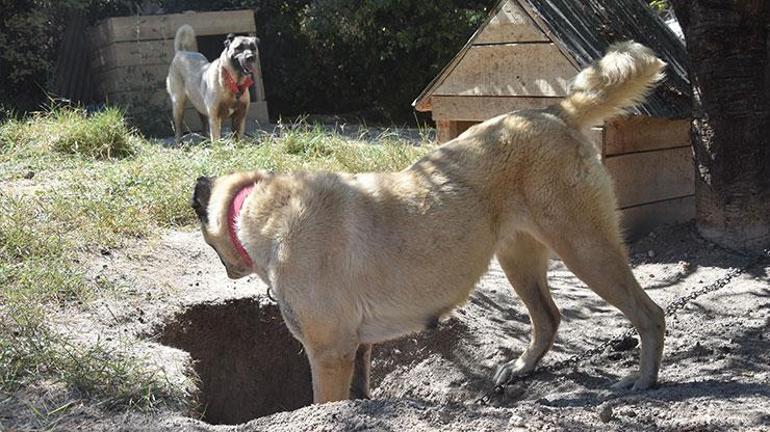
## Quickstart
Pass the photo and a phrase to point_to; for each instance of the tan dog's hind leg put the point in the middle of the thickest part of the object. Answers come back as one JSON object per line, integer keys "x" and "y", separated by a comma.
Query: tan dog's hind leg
{"x": 525, "y": 262}
{"x": 602, "y": 266}
{"x": 594, "y": 252}
{"x": 359, "y": 389}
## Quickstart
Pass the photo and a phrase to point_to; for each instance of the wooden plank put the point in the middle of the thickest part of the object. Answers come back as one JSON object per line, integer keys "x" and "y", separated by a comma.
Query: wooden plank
{"x": 480, "y": 108}
{"x": 510, "y": 24}
{"x": 532, "y": 69}
{"x": 259, "y": 113}
{"x": 637, "y": 221}
{"x": 147, "y": 99}
{"x": 144, "y": 53}
{"x": 259, "y": 85}
{"x": 652, "y": 176}
{"x": 132, "y": 78}
{"x": 148, "y": 27}
{"x": 534, "y": 15}
{"x": 149, "y": 79}
{"x": 642, "y": 133}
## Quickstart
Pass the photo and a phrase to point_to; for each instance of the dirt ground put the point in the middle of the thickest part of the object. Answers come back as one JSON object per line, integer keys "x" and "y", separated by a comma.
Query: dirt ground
{"x": 189, "y": 319}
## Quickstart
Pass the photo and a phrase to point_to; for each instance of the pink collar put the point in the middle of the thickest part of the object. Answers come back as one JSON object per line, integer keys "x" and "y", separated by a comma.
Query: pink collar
{"x": 232, "y": 217}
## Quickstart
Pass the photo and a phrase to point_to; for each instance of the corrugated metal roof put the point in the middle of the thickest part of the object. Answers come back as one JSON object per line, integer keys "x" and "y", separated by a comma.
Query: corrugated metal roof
{"x": 583, "y": 29}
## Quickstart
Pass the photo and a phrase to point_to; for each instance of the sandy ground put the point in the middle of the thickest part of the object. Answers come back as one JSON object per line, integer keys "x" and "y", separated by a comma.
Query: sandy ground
{"x": 715, "y": 376}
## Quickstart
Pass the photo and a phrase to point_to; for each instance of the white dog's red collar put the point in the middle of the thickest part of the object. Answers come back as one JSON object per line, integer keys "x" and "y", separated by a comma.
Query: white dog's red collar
{"x": 233, "y": 86}
{"x": 232, "y": 216}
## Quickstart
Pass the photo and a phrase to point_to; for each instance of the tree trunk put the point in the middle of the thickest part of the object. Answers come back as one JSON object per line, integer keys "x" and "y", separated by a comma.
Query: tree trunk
{"x": 727, "y": 44}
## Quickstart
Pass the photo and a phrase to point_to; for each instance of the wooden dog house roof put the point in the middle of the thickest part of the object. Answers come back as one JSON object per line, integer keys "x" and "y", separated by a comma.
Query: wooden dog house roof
{"x": 581, "y": 32}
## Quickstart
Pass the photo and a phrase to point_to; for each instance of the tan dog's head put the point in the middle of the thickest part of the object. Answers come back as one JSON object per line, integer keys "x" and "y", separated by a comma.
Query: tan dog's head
{"x": 211, "y": 202}
{"x": 242, "y": 52}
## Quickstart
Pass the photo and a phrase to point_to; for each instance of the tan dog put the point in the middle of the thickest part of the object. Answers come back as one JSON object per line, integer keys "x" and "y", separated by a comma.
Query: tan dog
{"x": 218, "y": 90}
{"x": 360, "y": 259}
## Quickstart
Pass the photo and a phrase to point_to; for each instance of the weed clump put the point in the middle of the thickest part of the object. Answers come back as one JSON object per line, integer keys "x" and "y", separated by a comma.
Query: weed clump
{"x": 100, "y": 135}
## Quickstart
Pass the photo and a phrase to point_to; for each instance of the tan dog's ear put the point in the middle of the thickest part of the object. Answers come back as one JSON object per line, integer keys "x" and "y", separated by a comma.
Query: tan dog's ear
{"x": 201, "y": 197}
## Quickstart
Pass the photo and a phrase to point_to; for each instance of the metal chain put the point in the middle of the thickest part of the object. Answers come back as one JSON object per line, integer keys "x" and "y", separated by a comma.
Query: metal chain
{"x": 670, "y": 310}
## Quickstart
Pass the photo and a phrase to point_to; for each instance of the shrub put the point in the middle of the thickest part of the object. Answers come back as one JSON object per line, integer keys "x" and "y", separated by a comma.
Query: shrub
{"x": 30, "y": 31}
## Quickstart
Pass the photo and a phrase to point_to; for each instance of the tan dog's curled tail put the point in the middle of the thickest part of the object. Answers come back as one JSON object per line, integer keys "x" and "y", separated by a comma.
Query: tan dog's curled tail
{"x": 185, "y": 39}
{"x": 619, "y": 80}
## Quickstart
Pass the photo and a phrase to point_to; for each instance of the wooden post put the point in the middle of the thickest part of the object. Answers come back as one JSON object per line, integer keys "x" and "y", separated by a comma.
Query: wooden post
{"x": 446, "y": 130}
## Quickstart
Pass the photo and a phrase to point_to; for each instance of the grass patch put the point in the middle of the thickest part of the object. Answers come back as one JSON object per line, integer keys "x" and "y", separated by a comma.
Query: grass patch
{"x": 111, "y": 373}
{"x": 95, "y": 184}
{"x": 101, "y": 135}
{"x": 39, "y": 272}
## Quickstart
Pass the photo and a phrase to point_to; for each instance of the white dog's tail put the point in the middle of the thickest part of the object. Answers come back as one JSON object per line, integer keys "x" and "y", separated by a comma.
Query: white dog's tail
{"x": 619, "y": 80}
{"x": 185, "y": 39}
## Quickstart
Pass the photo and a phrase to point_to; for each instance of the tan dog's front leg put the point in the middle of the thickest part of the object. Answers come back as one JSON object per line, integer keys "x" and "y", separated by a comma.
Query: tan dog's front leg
{"x": 332, "y": 372}
{"x": 360, "y": 387}
{"x": 525, "y": 262}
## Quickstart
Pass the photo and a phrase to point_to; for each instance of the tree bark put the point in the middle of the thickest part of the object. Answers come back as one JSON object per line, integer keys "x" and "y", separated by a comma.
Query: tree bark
{"x": 727, "y": 44}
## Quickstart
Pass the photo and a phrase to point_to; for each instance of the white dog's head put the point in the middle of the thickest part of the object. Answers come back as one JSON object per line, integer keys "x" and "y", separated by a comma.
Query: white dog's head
{"x": 242, "y": 53}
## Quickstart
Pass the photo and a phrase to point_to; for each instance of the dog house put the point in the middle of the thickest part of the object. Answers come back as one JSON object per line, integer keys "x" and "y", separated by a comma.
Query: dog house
{"x": 524, "y": 56}
{"x": 130, "y": 58}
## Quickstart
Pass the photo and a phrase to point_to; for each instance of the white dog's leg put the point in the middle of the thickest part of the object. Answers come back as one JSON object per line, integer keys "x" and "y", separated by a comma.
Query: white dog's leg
{"x": 204, "y": 124}
{"x": 177, "y": 107}
{"x": 239, "y": 118}
{"x": 215, "y": 126}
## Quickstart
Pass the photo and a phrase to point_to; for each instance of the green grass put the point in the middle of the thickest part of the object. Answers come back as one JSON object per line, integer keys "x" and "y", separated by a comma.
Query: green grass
{"x": 102, "y": 135}
{"x": 95, "y": 183}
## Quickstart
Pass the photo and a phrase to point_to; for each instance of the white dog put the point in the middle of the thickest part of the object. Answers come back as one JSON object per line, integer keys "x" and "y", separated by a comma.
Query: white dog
{"x": 218, "y": 90}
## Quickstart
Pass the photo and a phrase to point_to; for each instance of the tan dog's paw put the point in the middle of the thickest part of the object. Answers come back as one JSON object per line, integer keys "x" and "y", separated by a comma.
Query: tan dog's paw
{"x": 633, "y": 382}
{"x": 510, "y": 369}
